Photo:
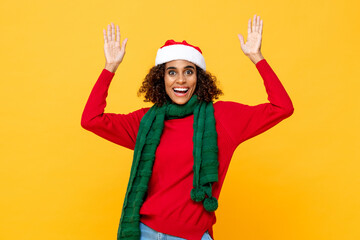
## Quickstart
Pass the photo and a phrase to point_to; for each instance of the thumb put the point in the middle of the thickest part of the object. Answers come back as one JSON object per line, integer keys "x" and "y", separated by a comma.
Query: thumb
{"x": 241, "y": 38}
{"x": 124, "y": 43}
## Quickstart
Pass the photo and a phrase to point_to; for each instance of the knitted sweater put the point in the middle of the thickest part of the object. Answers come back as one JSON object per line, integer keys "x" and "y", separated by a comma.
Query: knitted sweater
{"x": 168, "y": 207}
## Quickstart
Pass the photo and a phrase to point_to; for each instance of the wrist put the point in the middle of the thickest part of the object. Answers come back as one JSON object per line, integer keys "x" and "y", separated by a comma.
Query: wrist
{"x": 111, "y": 67}
{"x": 255, "y": 58}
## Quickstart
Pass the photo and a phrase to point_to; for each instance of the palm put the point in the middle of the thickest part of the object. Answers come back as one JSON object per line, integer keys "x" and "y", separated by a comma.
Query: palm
{"x": 114, "y": 53}
{"x": 253, "y": 43}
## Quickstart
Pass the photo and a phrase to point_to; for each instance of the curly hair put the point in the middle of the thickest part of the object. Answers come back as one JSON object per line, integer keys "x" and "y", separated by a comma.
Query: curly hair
{"x": 153, "y": 86}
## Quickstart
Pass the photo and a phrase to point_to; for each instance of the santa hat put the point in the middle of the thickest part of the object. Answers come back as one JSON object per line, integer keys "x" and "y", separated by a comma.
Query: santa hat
{"x": 180, "y": 50}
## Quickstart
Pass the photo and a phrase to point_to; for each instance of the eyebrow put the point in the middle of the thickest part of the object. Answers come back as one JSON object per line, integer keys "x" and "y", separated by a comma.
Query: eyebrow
{"x": 184, "y": 67}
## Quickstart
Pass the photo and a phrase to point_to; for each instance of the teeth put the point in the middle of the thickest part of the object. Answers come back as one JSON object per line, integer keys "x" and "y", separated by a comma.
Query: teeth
{"x": 181, "y": 89}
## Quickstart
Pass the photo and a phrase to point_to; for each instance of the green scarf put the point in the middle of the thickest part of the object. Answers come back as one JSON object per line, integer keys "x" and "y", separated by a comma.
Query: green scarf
{"x": 205, "y": 159}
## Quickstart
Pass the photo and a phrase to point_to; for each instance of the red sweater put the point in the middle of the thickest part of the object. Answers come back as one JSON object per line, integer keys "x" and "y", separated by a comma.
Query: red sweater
{"x": 168, "y": 207}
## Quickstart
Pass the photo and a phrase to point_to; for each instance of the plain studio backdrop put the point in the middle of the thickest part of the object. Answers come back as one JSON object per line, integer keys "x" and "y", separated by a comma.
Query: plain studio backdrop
{"x": 299, "y": 180}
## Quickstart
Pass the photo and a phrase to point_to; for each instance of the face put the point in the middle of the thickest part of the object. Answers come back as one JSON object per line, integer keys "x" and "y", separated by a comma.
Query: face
{"x": 180, "y": 80}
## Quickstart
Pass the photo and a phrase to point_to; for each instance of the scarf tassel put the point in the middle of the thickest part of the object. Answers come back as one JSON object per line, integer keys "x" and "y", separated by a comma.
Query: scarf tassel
{"x": 198, "y": 195}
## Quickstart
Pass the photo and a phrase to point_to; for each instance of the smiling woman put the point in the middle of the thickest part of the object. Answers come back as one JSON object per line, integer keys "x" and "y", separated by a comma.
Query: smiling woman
{"x": 180, "y": 80}
{"x": 184, "y": 143}
{"x": 185, "y": 75}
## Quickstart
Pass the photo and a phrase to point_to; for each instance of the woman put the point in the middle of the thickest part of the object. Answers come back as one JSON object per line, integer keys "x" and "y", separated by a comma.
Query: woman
{"x": 183, "y": 144}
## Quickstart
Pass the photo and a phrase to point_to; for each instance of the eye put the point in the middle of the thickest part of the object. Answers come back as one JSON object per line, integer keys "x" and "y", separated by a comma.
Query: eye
{"x": 189, "y": 72}
{"x": 171, "y": 72}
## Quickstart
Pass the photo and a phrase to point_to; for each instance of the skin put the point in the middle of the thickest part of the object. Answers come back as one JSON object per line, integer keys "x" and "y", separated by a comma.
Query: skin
{"x": 253, "y": 45}
{"x": 114, "y": 54}
{"x": 180, "y": 74}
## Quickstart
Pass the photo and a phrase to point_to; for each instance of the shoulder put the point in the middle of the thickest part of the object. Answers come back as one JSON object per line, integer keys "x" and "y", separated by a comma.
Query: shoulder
{"x": 141, "y": 112}
{"x": 135, "y": 115}
{"x": 144, "y": 110}
{"x": 223, "y": 104}
{"x": 226, "y": 105}
{"x": 229, "y": 109}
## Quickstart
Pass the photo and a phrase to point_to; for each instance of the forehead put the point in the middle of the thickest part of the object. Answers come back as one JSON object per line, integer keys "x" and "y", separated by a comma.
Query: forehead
{"x": 179, "y": 63}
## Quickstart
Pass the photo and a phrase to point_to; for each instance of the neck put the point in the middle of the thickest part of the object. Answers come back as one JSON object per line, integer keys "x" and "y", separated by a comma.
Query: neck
{"x": 174, "y": 110}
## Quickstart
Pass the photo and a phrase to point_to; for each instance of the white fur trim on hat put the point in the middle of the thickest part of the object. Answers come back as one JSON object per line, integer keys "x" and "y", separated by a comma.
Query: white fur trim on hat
{"x": 180, "y": 51}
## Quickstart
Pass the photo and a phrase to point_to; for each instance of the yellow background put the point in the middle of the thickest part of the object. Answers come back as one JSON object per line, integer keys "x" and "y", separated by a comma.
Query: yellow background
{"x": 298, "y": 180}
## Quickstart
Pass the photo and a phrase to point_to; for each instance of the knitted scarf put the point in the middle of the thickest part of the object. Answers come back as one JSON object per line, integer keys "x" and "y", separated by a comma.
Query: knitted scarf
{"x": 205, "y": 159}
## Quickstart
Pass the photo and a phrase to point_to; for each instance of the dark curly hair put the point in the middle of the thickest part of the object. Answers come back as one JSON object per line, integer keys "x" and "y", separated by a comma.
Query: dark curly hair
{"x": 153, "y": 86}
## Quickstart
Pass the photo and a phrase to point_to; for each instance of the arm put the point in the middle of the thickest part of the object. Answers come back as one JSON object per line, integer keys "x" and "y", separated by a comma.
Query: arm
{"x": 118, "y": 128}
{"x": 243, "y": 121}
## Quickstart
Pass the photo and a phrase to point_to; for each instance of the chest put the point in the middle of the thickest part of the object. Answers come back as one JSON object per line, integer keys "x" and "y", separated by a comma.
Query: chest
{"x": 175, "y": 150}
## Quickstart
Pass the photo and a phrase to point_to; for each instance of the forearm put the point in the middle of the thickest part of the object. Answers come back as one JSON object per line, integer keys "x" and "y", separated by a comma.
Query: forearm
{"x": 97, "y": 100}
{"x": 117, "y": 128}
{"x": 277, "y": 94}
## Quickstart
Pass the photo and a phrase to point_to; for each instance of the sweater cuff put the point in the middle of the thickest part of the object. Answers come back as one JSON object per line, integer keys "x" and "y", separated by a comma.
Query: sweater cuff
{"x": 106, "y": 76}
{"x": 107, "y": 73}
{"x": 261, "y": 64}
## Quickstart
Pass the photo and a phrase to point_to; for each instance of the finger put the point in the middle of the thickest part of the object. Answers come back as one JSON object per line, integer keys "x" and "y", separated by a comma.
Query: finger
{"x": 105, "y": 38}
{"x": 109, "y": 33}
{"x": 112, "y": 32}
{"x": 253, "y": 24}
{"x": 257, "y": 25}
{"x": 124, "y": 44}
{"x": 249, "y": 26}
{"x": 117, "y": 34}
{"x": 261, "y": 26}
{"x": 241, "y": 38}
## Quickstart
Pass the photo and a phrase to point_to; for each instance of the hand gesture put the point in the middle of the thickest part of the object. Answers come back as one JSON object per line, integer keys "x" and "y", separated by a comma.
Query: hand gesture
{"x": 252, "y": 47}
{"x": 114, "y": 54}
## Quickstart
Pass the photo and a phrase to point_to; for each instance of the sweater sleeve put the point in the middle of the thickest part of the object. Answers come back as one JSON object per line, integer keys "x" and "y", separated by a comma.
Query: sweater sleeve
{"x": 243, "y": 122}
{"x": 118, "y": 128}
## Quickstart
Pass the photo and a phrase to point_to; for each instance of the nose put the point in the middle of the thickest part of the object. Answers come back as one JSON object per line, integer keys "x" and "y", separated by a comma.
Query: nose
{"x": 181, "y": 78}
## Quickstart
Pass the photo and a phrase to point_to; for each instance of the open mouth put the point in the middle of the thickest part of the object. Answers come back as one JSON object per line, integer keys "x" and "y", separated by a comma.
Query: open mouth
{"x": 181, "y": 91}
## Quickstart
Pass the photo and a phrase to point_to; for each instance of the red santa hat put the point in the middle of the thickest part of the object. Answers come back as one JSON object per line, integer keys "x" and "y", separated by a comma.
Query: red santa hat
{"x": 180, "y": 50}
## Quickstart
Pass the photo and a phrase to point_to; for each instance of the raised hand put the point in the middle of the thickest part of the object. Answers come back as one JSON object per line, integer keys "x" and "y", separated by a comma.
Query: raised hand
{"x": 252, "y": 47}
{"x": 114, "y": 54}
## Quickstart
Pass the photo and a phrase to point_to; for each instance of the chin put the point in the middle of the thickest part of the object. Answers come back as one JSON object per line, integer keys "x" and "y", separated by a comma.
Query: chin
{"x": 179, "y": 100}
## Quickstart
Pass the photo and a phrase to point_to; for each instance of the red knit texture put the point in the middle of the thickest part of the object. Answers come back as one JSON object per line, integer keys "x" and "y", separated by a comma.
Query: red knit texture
{"x": 168, "y": 207}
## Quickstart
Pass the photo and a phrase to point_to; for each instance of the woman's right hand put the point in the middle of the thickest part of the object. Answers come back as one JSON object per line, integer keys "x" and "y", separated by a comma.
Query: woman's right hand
{"x": 114, "y": 54}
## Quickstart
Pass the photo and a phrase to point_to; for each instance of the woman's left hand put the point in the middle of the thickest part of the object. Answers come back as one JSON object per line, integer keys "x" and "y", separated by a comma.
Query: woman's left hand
{"x": 252, "y": 47}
